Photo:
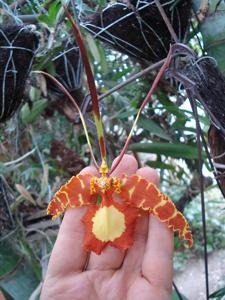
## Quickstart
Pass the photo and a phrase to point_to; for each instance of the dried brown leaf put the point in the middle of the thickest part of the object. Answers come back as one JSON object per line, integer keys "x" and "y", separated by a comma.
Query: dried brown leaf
{"x": 25, "y": 194}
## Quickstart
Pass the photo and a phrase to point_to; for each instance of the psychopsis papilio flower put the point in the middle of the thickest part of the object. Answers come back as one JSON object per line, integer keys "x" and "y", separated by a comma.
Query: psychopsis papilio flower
{"x": 109, "y": 221}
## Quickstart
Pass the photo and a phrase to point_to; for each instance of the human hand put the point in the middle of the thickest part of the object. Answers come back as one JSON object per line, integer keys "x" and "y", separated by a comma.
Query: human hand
{"x": 143, "y": 272}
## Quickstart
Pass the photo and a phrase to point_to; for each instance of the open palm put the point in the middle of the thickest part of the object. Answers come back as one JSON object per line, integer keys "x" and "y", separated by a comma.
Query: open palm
{"x": 144, "y": 272}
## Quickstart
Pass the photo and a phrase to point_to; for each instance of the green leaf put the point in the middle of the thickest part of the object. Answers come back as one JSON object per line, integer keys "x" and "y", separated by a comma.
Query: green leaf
{"x": 179, "y": 124}
{"x": 51, "y": 18}
{"x": 34, "y": 94}
{"x": 212, "y": 31}
{"x": 103, "y": 60}
{"x": 171, "y": 107}
{"x": 101, "y": 2}
{"x": 21, "y": 284}
{"x": 127, "y": 114}
{"x": 220, "y": 293}
{"x": 160, "y": 165}
{"x": 50, "y": 68}
{"x": 29, "y": 253}
{"x": 176, "y": 150}
{"x": 29, "y": 116}
{"x": 120, "y": 73}
{"x": 45, "y": 61}
{"x": 176, "y": 297}
{"x": 153, "y": 128}
{"x": 93, "y": 48}
{"x": 17, "y": 277}
{"x": 8, "y": 259}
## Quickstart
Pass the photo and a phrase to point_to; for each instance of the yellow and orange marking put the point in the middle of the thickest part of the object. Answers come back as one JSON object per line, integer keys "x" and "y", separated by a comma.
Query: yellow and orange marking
{"x": 110, "y": 222}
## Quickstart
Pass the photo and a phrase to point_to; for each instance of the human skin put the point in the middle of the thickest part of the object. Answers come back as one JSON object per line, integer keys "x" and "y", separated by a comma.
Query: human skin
{"x": 143, "y": 272}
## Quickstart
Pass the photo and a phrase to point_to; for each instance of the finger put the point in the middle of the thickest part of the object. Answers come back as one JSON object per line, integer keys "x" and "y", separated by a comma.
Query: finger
{"x": 135, "y": 254}
{"x": 68, "y": 254}
{"x": 127, "y": 165}
{"x": 157, "y": 266}
{"x": 90, "y": 170}
{"x": 112, "y": 258}
{"x": 149, "y": 174}
{"x": 1, "y": 296}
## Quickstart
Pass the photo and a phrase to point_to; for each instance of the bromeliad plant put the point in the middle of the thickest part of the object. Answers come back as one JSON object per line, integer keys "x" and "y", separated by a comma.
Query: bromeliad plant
{"x": 107, "y": 221}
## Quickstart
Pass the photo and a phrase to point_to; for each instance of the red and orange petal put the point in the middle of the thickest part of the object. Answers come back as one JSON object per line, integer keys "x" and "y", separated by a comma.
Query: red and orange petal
{"x": 112, "y": 224}
{"x": 55, "y": 208}
{"x": 140, "y": 192}
{"x": 77, "y": 190}
{"x": 143, "y": 194}
{"x": 75, "y": 193}
{"x": 179, "y": 223}
{"x": 167, "y": 212}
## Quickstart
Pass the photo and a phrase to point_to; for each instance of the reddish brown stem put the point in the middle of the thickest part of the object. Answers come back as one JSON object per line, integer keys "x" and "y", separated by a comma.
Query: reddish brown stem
{"x": 90, "y": 77}
{"x": 91, "y": 84}
{"x": 146, "y": 100}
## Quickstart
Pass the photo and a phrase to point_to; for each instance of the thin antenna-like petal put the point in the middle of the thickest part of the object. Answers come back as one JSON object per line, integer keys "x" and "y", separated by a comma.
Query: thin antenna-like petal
{"x": 91, "y": 84}
{"x": 146, "y": 100}
{"x": 64, "y": 90}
